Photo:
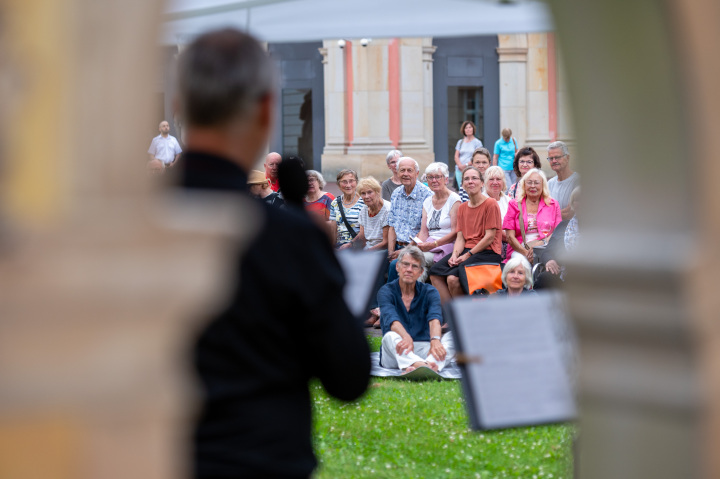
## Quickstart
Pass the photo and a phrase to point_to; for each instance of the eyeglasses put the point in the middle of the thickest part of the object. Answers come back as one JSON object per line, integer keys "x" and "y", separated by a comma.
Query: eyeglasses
{"x": 434, "y": 178}
{"x": 533, "y": 183}
{"x": 555, "y": 158}
{"x": 527, "y": 162}
{"x": 406, "y": 265}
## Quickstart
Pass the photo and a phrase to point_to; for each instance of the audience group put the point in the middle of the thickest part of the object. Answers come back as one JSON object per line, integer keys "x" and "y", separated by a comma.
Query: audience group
{"x": 503, "y": 211}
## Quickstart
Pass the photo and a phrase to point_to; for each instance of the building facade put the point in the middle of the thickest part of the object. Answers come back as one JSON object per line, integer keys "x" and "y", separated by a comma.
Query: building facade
{"x": 346, "y": 103}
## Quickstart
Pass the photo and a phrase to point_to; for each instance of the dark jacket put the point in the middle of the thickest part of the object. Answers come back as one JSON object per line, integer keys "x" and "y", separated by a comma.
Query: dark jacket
{"x": 285, "y": 323}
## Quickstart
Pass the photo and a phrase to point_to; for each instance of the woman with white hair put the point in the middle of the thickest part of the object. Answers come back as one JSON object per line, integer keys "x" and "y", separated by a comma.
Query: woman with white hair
{"x": 316, "y": 200}
{"x": 438, "y": 227}
{"x": 516, "y": 277}
{"x": 532, "y": 218}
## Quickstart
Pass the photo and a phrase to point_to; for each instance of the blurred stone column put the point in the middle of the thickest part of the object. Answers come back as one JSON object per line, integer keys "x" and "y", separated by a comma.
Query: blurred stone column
{"x": 98, "y": 301}
{"x": 696, "y": 35}
{"x": 631, "y": 289}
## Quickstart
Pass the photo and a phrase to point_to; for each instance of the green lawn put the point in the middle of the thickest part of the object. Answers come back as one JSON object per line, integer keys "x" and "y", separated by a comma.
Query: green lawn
{"x": 402, "y": 429}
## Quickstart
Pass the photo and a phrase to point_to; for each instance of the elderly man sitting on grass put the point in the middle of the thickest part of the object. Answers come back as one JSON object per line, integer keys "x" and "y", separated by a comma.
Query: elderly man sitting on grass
{"x": 411, "y": 319}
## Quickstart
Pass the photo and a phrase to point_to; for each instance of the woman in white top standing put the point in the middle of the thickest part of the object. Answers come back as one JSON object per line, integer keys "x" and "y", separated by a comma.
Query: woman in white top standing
{"x": 438, "y": 228}
{"x": 465, "y": 148}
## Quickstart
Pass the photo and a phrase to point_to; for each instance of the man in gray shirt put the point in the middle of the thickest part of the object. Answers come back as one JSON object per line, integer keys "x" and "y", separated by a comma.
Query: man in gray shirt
{"x": 393, "y": 182}
{"x": 566, "y": 180}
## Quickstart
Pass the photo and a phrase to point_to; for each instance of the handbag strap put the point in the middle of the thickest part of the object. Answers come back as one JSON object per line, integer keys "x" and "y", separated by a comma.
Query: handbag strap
{"x": 522, "y": 224}
{"x": 350, "y": 229}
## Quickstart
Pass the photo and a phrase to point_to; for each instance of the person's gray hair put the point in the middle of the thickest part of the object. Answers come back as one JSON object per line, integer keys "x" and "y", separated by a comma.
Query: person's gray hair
{"x": 437, "y": 167}
{"x": 318, "y": 176}
{"x": 392, "y": 154}
{"x": 516, "y": 260}
{"x": 414, "y": 253}
{"x": 558, "y": 144}
{"x": 222, "y": 74}
{"x": 417, "y": 167}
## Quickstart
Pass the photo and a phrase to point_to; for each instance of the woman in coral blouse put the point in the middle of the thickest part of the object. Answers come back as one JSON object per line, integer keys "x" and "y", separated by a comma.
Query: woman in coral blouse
{"x": 540, "y": 216}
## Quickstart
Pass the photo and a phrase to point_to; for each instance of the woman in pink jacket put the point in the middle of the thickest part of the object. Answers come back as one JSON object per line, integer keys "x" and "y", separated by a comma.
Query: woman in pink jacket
{"x": 540, "y": 216}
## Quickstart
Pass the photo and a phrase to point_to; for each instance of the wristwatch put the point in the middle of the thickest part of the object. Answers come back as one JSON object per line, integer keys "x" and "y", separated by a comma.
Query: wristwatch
{"x": 435, "y": 337}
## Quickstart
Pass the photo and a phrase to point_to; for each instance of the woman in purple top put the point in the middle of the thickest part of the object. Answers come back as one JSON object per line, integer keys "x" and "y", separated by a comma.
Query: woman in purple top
{"x": 540, "y": 215}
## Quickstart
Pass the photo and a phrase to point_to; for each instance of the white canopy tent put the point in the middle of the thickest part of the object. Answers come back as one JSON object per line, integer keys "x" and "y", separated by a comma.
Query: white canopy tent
{"x": 311, "y": 20}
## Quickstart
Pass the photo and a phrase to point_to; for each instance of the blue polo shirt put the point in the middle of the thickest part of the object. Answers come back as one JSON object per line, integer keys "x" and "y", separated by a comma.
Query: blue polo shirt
{"x": 506, "y": 153}
{"x": 425, "y": 307}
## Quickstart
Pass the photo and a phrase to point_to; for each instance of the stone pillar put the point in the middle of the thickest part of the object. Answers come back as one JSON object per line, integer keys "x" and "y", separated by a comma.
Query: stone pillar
{"x": 358, "y": 104}
{"x": 538, "y": 118}
{"x": 416, "y": 99}
{"x": 98, "y": 300}
{"x": 336, "y": 127}
{"x": 630, "y": 290}
{"x": 513, "y": 58}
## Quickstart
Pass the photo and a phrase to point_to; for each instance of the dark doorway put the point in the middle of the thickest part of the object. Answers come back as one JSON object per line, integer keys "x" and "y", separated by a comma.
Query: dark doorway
{"x": 300, "y": 112}
{"x": 466, "y": 86}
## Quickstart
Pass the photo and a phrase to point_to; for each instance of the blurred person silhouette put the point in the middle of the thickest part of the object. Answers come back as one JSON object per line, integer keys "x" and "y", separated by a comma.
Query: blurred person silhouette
{"x": 278, "y": 330}
{"x": 293, "y": 181}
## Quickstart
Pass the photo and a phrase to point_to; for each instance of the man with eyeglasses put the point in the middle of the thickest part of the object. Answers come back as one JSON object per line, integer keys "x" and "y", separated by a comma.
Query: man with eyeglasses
{"x": 406, "y": 207}
{"x": 566, "y": 180}
{"x": 411, "y": 319}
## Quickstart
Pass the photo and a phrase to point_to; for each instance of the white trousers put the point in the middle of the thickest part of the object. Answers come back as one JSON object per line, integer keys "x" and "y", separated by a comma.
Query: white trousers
{"x": 421, "y": 349}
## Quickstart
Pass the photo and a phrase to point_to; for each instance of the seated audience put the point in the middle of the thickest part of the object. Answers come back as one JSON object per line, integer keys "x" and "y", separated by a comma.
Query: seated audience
{"x": 516, "y": 277}
{"x": 554, "y": 274}
{"x": 480, "y": 160}
{"x": 316, "y": 200}
{"x": 438, "y": 228}
{"x": 525, "y": 160}
{"x": 373, "y": 216}
{"x": 479, "y": 237}
{"x": 392, "y": 183}
{"x": 412, "y": 319}
{"x": 345, "y": 209}
{"x": 260, "y": 188}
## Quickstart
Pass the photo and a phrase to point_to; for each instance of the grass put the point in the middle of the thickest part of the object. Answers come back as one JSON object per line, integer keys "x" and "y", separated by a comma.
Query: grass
{"x": 403, "y": 429}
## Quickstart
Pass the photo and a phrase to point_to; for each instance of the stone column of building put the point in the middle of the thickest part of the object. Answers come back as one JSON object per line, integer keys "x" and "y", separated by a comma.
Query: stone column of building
{"x": 97, "y": 300}
{"x": 513, "y": 57}
{"x": 378, "y": 98}
{"x": 633, "y": 276}
{"x": 416, "y": 100}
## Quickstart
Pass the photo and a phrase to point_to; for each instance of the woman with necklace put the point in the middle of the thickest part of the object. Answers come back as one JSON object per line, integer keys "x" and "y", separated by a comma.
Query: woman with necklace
{"x": 478, "y": 238}
{"x": 316, "y": 200}
{"x": 532, "y": 218}
{"x": 438, "y": 227}
{"x": 345, "y": 210}
{"x": 525, "y": 160}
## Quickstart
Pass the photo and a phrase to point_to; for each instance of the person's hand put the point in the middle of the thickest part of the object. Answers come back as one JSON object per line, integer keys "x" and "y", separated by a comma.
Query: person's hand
{"x": 529, "y": 255}
{"x": 437, "y": 350}
{"x": 426, "y": 246}
{"x": 453, "y": 261}
{"x": 405, "y": 345}
{"x": 393, "y": 255}
{"x": 346, "y": 246}
{"x": 553, "y": 267}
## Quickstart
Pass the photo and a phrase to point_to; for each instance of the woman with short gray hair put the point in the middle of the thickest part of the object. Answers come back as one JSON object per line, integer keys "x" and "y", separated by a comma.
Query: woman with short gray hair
{"x": 316, "y": 200}
{"x": 438, "y": 227}
{"x": 516, "y": 277}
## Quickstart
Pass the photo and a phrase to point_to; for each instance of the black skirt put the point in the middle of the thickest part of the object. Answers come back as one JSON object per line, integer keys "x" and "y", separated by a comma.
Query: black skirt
{"x": 442, "y": 268}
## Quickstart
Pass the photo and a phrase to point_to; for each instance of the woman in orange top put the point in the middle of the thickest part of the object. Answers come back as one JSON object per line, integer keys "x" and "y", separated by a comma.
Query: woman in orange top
{"x": 479, "y": 237}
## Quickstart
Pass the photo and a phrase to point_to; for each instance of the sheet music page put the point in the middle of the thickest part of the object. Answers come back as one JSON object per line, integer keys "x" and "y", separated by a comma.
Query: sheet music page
{"x": 524, "y": 374}
{"x": 361, "y": 270}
